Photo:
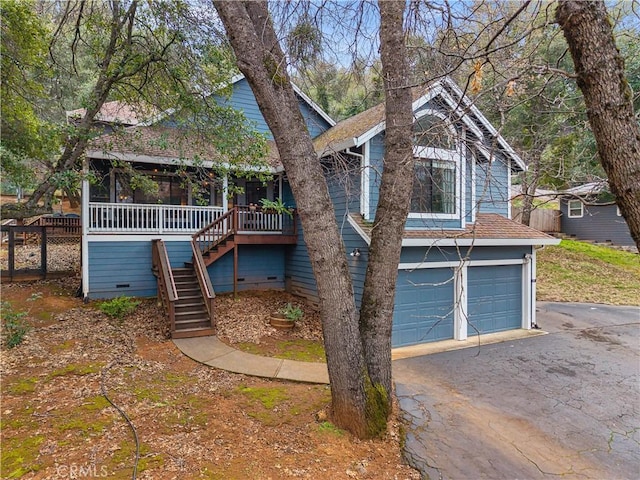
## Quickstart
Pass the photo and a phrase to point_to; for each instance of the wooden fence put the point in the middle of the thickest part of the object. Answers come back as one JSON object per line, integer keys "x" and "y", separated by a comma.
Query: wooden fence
{"x": 543, "y": 219}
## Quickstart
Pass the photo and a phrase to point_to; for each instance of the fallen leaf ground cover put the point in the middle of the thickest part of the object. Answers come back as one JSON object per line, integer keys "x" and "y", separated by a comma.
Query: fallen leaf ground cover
{"x": 192, "y": 421}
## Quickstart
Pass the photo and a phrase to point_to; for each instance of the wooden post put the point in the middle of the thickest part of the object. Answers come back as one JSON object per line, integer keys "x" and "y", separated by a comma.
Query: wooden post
{"x": 235, "y": 270}
{"x": 43, "y": 251}
{"x": 12, "y": 256}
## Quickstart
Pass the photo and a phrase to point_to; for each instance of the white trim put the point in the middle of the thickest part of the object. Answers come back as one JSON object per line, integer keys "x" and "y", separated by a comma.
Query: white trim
{"x": 453, "y": 104}
{"x": 448, "y": 158}
{"x": 473, "y": 187}
{"x": 478, "y": 242}
{"x": 436, "y": 113}
{"x": 338, "y": 147}
{"x": 526, "y": 293}
{"x": 509, "y": 193}
{"x": 359, "y": 229}
{"x": 369, "y": 134}
{"x": 105, "y": 237}
{"x": 86, "y": 193}
{"x": 569, "y": 208}
{"x": 484, "y": 151}
{"x": 433, "y": 92}
{"x": 463, "y": 180}
{"x": 465, "y": 100}
{"x": 313, "y": 105}
{"x": 436, "y": 216}
{"x": 460, "y": 263}
{"x": 365, "y": 187}
{"x": 460, "y": 313}
{"x": 225, "y": 193}
{"x": 533, "y": 291}
{"x": 158, "y": 160}
{"x": 440, "y": 154}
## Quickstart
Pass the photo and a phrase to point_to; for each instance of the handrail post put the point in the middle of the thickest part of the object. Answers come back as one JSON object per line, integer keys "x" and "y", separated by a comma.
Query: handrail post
{"x": 235, "y": 224}
{"x": 166, "y": 282}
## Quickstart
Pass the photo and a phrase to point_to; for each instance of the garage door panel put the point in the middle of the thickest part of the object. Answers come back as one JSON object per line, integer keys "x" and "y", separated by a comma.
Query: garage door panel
{"x": 423, "y": 307}
{"x": 495, "y": 298}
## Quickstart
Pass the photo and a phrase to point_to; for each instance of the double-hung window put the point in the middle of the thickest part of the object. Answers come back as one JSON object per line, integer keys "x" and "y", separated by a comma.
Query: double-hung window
{"x": 434, "y": 187}
{"x": 575, "y": 209}
{"x": 436, "y": 169}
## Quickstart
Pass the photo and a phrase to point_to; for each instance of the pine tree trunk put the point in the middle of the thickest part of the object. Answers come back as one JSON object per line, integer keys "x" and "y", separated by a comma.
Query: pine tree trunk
{"x": 263, "y": 63}
{"x": 608, "y": 97}
{"x": 376, "y": 313}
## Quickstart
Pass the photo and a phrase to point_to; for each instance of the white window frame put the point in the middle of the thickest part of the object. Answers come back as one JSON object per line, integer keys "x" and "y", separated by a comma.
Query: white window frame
{"x": 570, "y": 208}
{"x": 444, "y": 157}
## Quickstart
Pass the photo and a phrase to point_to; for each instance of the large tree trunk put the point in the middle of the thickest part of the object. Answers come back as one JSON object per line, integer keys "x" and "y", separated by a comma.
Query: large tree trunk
{"x": 263, "y": 63}
{"x": 376, "y": 313}
{"x": 608, "y": 97}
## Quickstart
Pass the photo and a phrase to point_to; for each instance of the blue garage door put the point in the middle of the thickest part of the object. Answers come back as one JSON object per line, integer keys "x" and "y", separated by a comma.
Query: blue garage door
{"x": 424, "y": 306}
{"x": 494, "y": 300}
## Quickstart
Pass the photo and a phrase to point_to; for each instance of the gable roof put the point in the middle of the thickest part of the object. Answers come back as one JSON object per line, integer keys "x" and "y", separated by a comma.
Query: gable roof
{"x": 164, "y": 145}
{"x": 588, "y": 189}
{"x": 121, "y": 113}
{"x": 357, "y": 130}
{"x": 490, "y": 229}
{"x": 118, "y": 113}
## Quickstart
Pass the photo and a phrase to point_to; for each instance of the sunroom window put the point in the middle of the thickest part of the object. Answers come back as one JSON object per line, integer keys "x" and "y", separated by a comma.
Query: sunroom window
{"x": 170, "y": 190}
{"x": 434, "y": 187}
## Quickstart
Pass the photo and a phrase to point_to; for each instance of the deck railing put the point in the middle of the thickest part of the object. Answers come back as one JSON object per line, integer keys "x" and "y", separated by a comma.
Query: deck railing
{"x": 146, "y": 218}
{"x": 257, "y": 220}
{"x": 244, "y": 220}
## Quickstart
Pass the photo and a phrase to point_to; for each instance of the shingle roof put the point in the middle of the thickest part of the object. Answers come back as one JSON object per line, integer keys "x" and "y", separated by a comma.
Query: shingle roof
{"x": 587, "y": 189}
{"x": 488, "y": 226}
{"x": 355, "y": 126}
{"x": 118, "y": 113}
{"x": 349, "y": 128}
{"x": 164, "y": 143}
{"x": 355, "y": 130}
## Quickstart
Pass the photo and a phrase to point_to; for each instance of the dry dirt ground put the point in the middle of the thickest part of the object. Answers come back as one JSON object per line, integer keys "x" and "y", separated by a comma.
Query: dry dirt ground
{"x": 192, "y": 421}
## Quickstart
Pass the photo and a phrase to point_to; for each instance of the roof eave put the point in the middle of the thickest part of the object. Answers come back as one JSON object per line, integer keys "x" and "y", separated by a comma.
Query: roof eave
{"x": 158, "y": 160}
{"x": 478, "y": 242}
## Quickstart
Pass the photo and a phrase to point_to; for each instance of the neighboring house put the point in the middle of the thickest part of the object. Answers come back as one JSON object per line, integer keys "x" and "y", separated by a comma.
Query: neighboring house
{"x": 465, "y": 266}
{"x": 589, "y": 212}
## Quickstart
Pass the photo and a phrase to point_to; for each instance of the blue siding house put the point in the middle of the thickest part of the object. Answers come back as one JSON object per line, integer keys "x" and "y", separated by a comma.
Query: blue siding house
{"x": 589, "y": 212}
{"x": 465, "y": 269}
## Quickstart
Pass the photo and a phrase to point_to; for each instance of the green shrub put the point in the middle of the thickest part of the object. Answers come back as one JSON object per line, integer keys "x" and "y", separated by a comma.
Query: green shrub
{"x": 292, "y": 312}
{"x": 14, "y": 326}
{"x": 119, "y": 307}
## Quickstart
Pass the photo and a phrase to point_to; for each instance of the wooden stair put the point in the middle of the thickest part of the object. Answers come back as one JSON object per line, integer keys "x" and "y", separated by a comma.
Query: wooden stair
{"x": 191, "y": 315}
{"x": 218, "y": 250}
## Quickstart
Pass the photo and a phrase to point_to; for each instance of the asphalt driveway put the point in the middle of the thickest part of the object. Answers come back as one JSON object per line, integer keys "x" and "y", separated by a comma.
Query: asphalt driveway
{"x": 564, "y": 404}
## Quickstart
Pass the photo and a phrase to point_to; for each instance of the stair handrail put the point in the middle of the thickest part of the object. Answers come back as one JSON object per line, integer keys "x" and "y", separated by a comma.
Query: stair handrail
{"x": 166, "y": 282}
{"x": 221, "y": 228}
{"x": 204, "y": 280}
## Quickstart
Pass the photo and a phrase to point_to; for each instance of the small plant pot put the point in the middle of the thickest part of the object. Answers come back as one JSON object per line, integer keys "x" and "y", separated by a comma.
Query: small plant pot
{"x": 278, "y": 321}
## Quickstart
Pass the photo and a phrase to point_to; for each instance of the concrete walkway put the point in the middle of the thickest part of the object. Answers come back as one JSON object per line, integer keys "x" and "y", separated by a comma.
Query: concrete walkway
{"x": 213, "y": 352}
